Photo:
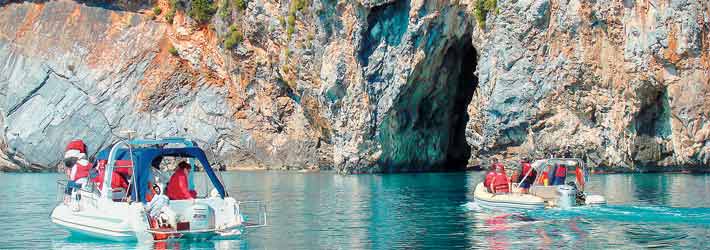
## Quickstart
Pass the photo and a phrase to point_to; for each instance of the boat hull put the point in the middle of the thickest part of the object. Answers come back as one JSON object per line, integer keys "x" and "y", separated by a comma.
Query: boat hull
{"x": 84, "y": 224}
{"x": 121, "y": 221}
{"x": 506, "y": 201}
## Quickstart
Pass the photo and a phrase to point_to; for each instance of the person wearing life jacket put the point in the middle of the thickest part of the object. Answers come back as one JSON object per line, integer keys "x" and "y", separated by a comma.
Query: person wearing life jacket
{"x": 500, "y": 182}
{"x": 160, "y": 216}
{"x": 527, "y": 176}
{"x": 489, "y": 178}
{"x": 119, "y": 176}
{"x": 545, "y": 179}
{"x": 178, "y": 188}
{"x": 75, "y": 159}
{"x": 560, "y": 175}
{"x": 580, "y": 177}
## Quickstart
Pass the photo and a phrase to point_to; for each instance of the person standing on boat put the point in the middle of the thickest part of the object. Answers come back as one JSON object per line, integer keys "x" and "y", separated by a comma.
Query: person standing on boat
{"x": 178, "y": 186}
{"x": 79, "y": 166}
{"x": 527, "y": 175}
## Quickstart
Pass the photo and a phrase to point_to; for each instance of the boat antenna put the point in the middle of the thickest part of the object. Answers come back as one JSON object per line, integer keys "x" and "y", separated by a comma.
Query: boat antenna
{"x": 129, "y": 134}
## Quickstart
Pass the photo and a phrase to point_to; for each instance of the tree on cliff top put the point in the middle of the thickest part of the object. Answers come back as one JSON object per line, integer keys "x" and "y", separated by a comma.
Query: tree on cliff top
{"x": 202, "y": 10}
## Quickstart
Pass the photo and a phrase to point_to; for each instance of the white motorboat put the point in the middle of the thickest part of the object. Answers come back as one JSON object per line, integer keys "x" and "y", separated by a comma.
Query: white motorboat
{"x": 544, "y": 193}
{"x": 127, "y": 215}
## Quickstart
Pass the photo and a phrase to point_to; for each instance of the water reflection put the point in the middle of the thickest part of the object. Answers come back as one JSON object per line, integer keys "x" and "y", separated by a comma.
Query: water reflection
{"x": 410, "y": 211}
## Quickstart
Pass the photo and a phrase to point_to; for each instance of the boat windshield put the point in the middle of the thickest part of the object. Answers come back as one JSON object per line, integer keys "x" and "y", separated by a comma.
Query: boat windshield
{"x": 559, "y": 171}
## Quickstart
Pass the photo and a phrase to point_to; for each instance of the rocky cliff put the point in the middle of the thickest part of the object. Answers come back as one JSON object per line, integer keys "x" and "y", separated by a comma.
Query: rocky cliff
{"x": 361, "y": 86}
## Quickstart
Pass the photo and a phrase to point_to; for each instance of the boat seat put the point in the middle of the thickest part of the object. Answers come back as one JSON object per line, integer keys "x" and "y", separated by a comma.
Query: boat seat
{"x": 545, "y": 192}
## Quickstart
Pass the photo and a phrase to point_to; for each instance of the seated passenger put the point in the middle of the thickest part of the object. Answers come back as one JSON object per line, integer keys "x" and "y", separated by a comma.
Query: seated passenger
{"x": 560, "y": 175}
{"x": 500, "y": 182}
{"x": 178, "y": 185}
{"x": 489, "y": 178}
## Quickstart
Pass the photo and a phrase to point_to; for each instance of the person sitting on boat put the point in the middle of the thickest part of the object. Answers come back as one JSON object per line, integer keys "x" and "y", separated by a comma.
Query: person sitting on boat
{"x": 500, "y": 182}
{"x": 489, "y": 177}
{"x": 496, "y": 180}
{"x": 560, "y": 175}
{"x": 527, "y": 176}
{"x": 178, "y": 188}
{"x": 159, "y": 210}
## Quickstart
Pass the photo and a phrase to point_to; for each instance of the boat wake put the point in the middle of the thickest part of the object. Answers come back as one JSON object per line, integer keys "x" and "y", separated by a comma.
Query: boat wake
{"x": 620, "y": 213}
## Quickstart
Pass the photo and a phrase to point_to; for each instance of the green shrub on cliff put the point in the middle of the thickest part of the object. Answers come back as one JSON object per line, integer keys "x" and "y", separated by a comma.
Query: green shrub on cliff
{"x": 173, "y": 51}
{"x": 169, "y": 16}
{"x": 299, "y": 4}
{"x": 157, "y": 10}
{"x": 240, "y": 4}
{"x": 481, "y": 10}
{"x": 224, "y": 9}
{"x": 202, "y": 11}
{"x": 234, "y": 38}
{"x": 171, "y": 12}
{"x": 296, "y": 6}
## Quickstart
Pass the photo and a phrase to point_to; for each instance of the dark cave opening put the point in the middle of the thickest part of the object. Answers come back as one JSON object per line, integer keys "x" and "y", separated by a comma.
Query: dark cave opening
{"x": 459, "y": 151}
{"x": 426, "y": 129}
{"x": 653, "y": 119}
{"x": 652, "y": 123}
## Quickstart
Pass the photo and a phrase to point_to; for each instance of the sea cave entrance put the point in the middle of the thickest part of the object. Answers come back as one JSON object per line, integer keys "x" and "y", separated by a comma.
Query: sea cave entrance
{"x": 425, "y": 130}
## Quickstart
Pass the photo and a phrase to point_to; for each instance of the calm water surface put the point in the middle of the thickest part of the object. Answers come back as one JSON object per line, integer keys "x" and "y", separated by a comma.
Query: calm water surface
{"x": 412, "y": 211}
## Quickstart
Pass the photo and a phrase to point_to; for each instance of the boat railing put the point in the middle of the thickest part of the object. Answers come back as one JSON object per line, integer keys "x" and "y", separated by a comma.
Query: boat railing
{"x": 254, "y": 213}
{"x": 85, "y": 194}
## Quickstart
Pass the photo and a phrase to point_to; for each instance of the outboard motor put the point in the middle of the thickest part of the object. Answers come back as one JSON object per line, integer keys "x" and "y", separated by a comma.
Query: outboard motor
{"x": 568, "y": 197}
{"x": 201, "y": 217}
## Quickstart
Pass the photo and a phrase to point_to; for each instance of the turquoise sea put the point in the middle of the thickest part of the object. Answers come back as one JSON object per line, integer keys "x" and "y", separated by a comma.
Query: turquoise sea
{"x": 403, "y": 211}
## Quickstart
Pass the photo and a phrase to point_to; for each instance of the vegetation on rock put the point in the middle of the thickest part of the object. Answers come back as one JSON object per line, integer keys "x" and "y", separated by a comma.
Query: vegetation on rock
{"x": 481, "y": 10}
{"x": 234, "y": 37}
{"x": 202, "y": 11}
{"x": 296, "y": 5}
{"x": 241, "y": 4}
{"x": 173, "y": 51}
{"x": 224, "y": 9}
{"x": 157, "y": 10}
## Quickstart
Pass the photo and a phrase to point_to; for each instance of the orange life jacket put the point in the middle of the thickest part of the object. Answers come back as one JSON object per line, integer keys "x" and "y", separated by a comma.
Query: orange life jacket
{"x": 580, "y": 177}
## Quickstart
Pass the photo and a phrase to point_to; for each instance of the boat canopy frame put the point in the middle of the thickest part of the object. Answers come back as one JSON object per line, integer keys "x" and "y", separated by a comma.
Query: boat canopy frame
{"x": 142, "y": 153}
{"x": 570, "y": 163}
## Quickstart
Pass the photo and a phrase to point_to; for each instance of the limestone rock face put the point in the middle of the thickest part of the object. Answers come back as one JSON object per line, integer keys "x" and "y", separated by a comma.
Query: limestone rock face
{"x": 620, "y": 84}
{"x": 361, "y": 86}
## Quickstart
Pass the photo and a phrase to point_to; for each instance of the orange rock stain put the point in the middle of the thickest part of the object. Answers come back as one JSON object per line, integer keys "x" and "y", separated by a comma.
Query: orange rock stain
{"x": 30, "y": 20}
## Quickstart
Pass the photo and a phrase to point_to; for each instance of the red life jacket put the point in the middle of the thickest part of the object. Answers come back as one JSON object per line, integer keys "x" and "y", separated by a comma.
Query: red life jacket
{"x": 117, "y": 178}
{"x": 76, "y": 145}
{"x": 82, "y": 169}
{"x": 561, "y": 171}
{"x": 526, "y": 168}
{"x": 489, "y": 179}
{"x": 500, "y": 183}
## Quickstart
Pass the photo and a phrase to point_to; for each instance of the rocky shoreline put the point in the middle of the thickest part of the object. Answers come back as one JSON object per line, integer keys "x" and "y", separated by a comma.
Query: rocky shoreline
{"x": 363, "y": 86}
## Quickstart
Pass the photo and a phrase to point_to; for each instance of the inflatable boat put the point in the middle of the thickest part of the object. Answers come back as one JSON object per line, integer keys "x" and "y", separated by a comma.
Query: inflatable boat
{"x": 99, "y": 210}
{"x": 546, "y": 191}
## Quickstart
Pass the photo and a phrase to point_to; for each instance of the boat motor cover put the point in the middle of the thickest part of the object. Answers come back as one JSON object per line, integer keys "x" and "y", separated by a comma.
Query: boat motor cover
{"x": 143, "y": 157}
